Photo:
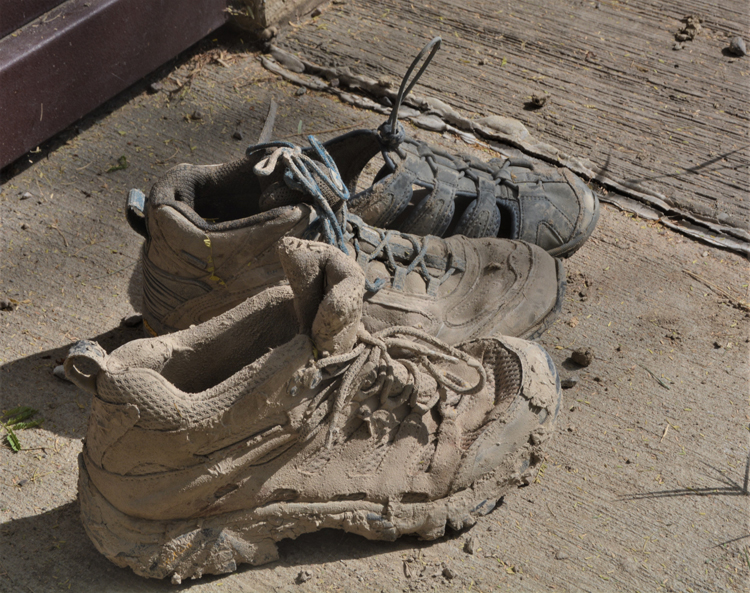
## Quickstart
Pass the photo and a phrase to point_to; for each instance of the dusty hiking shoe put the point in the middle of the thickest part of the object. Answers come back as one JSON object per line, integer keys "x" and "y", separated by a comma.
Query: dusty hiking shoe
{"x": 209, "y": 246}
{"x": 429, "y": 191}
{"x": 206, "y": 447}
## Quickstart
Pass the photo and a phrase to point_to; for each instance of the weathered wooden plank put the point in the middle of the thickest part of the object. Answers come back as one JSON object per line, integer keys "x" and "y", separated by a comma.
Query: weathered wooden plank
{"x": 675, "y": 122}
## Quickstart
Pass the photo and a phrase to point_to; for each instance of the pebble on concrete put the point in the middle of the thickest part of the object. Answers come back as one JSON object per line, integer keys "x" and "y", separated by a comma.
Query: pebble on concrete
{"x": 569, "y": 382}
{"x": 304, "y": 576}
{"x": 448, "y": 573}
{"x": 583, "y": 356}
{"x": 131, "y": 321}
{"x": 737, "y": 46}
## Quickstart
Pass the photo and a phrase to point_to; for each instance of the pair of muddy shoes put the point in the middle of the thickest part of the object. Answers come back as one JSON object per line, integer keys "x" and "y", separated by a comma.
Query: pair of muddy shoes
{"x": 324, "y": 372}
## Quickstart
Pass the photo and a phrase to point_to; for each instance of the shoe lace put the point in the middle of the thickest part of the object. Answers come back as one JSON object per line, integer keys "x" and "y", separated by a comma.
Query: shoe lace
{"x": 391, "y": 132}
{"x": 376, "y": 349}
{"x": 392, "y": 135}
{"x": 305, "y": 174}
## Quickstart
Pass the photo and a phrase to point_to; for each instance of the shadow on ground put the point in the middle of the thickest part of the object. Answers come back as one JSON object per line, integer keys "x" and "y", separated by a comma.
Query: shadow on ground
{"x": 30, "y": 381}
{"x": 51, "y": 550}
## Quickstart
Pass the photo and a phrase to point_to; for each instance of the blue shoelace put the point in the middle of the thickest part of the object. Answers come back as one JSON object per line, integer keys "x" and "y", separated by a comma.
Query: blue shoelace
{"x": 304, "y": 174}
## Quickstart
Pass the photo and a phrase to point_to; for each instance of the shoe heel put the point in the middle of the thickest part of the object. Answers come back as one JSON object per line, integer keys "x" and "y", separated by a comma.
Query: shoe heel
{"x": 183, "y": 549}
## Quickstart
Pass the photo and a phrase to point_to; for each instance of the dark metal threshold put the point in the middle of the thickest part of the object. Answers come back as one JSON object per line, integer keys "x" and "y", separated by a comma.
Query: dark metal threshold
{"x": 74, "y": 57}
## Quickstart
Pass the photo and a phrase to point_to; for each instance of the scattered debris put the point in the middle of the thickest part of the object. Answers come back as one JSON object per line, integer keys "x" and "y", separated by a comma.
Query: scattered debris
{"x": 269, "y": 33}
{"x": 19, "y": 418}
{"x": 448, "y": 573}
{"x": 538, "y": 101}
{"x": 737, "y": 46}
{"x": 316, "y": 13}
{"x": 122, "y": 163}
{"x": 196, "y": 115}
{"x": 407, "y": 569}
{"x": 59, "y": 372}
{"x": 24, "y": 226}
{"x": 287, "y": 60}
{"x": 470, "y": 545}
{"x": 572, "y": 428}
{"x": 131, "y": 320}
{"x": 238, "y": 135}
{"x": 304, "y": 576}
{"x": 560, "y": 555}
{"x": 26, "y": 195}
{"x": 690, "y": 29}
{"x": 300, "y": 91}
{"x": 23, "y": 483}
{"x": 583, "y": 356}
{"x": 678, "y": 46}
{"x": 659, "y": 380}
{"x": 573, "y": 322}
{"x": 482, "y": 61}
{"x": 738, "y": 303}
{"x": 569, "y": 382}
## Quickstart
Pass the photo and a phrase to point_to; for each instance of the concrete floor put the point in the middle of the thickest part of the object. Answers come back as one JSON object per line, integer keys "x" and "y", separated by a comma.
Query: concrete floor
{"x": 642, "y": 488}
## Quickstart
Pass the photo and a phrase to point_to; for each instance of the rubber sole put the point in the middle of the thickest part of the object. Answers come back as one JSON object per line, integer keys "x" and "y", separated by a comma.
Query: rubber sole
{"x": 194, "y": 547}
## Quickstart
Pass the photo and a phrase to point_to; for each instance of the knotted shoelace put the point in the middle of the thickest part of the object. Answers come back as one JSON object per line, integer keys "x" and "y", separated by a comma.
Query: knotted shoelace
{"x": 376, "y": 350}
{"x": 305, "y": 174}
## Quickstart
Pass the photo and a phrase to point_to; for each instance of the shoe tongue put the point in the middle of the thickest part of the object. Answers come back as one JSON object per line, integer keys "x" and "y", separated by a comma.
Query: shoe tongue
{"x": 328, "y": 288}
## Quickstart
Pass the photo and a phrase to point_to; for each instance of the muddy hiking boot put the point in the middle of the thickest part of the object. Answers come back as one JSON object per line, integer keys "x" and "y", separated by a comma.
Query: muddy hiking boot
{"x": 207, "y": 446}
{"x": 428, "y": 191}
{"x": 212, "y": 234}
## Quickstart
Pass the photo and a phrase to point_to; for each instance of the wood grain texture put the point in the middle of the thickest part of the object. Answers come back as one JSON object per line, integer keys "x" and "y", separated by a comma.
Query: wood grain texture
{"x": 671, "y": 121}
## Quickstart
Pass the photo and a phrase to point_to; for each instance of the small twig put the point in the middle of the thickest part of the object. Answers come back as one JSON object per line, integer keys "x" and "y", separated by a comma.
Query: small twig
{"x": 747, "y": 475}
{"x": 267, "y": 131}
{"x": 321, "y": 131}
{"x": 666, "y": 430}
{"x": 111, "y": 273}
{"x": 720, "y": 291}
{"x": 662, "y": 383}
{"x": 52, "y": 226}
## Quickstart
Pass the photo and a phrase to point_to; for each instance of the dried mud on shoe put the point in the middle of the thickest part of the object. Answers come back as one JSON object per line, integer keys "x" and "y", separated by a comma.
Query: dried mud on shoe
{"x": 285, "y": 416}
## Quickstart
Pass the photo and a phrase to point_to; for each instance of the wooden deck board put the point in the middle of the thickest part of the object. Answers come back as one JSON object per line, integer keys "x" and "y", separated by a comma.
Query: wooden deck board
{"x": 674, "y": 122}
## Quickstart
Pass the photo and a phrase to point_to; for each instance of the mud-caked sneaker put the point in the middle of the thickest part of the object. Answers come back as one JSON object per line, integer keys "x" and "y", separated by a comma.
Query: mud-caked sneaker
{"x": 284, "y": 416}
{"x": 210, "y": 245}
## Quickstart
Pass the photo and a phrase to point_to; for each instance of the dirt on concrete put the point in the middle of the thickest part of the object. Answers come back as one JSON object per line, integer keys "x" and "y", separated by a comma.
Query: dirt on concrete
{"x": 644, "y": 486}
